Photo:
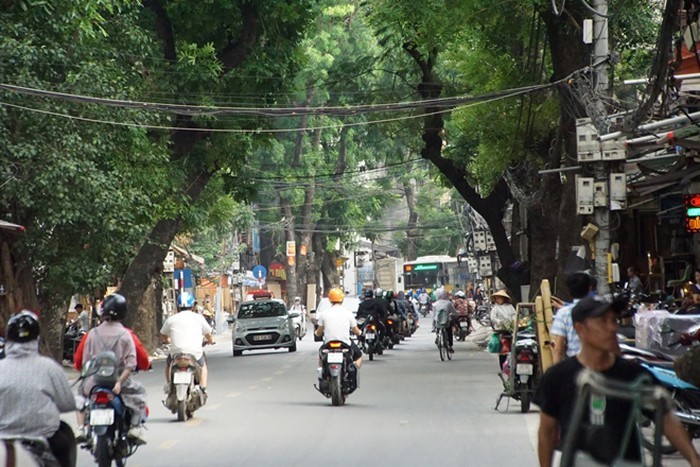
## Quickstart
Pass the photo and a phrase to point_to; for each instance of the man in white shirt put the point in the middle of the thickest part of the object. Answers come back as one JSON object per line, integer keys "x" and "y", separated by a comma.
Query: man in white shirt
{"x": 184, "y": 331}
{"x": 336, "y": 323}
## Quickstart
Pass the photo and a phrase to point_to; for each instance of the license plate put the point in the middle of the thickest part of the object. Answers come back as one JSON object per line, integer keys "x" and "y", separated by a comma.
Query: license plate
{"x": 463, "y": 324}
{"x": 523, "y": 368}
{"x": 335, "y": 357}
{"x": 369, "y": 336}
{"x": 262, "y": 337}
{"x": 101, "y": 417}
{"x": 182, "y": 377}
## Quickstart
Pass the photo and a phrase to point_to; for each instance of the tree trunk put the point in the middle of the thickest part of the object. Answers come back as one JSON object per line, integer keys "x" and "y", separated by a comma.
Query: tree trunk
{"x": 411, "y": 232}
{"x": 492, "y": 207}
{"x": 290, "y": 236}
{"x": 148, "y": 310}
{"x": 148, "y": 262}
{"x": 149, "y": 259}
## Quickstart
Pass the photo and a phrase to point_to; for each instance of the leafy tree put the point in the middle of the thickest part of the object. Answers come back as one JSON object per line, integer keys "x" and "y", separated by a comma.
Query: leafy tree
{"x": 85, "y": 192}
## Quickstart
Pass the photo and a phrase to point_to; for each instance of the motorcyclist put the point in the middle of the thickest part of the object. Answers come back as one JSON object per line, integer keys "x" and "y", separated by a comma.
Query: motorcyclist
{"x": 444, "y": 311}
{"x": 424, "y": 299}
{"x": 185, "y": 331}
{"x": 375, "y": 308}
{"x": 112, "y": 335}
{"x": 34, "y": 391}
{"x": 395, "y": 309}
{"x": 336, "y": 324}
{"x": 462, "y": 305}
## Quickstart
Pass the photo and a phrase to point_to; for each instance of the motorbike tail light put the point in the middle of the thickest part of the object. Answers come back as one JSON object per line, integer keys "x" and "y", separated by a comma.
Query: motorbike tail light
{"x": 102, "y": 397}
{"x": 371, "y": 327}
{"x": 183, "y": 362}
{"x": 335, "y": 345}
{"x": 390, "y": 322}
{"x": 334, "y": 367}
{"x": 526, "y": 356}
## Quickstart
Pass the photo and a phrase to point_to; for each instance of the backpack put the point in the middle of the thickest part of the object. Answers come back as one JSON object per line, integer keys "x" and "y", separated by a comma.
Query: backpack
{"x": 105, "y": 364}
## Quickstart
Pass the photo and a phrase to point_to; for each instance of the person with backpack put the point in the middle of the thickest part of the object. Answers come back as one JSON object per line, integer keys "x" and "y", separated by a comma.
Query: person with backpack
{"x": 111, "y": 335}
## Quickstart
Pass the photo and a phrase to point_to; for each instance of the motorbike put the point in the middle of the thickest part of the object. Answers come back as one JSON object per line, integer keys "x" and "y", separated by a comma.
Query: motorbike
{"x": 460, "y": 327}
{"x": 107, "y": 416}
{"x": 371, "y": 336}
{"x": 27, "y": 451}
{"x": 424, "y": 309}
{"x": 336, "y": 380}
{"x": 412, "y": 322}
{"x": 686, "y": 396}
{"x": 483, "y": 315}
{"x": 519, "y": 376}
{"x": 2, "y": 347}
{"x": 71, "y": 338}
{"x": 184, "y": 395}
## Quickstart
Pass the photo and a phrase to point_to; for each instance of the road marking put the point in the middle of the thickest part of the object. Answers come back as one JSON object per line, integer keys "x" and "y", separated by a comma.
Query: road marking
{"x": 212, "y": 407}
{"x": 193, "y": 422}
{"x": 278, "y": 373}
{"x": 252, "y": 387}
{"x": 168, "y": 444}
{"x": 234, "y": 394}
{"x": 267, "y": 379}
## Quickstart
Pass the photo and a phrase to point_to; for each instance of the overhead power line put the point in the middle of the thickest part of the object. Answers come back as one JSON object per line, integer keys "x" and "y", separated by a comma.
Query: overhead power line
{"x": 198, "y": 110}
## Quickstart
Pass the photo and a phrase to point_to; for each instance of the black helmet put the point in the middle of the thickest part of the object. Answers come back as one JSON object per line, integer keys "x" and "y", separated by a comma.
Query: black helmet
{"x": 369, "y": 293}
{"x": 114, "y": 307}
{"x": 23, "y": 327}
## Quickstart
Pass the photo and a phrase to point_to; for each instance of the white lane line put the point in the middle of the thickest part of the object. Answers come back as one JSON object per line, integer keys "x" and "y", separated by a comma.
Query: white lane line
{"x": 193, "y": 422}
{"x": 233, "y": 394}
{"x": 169, "y": 444}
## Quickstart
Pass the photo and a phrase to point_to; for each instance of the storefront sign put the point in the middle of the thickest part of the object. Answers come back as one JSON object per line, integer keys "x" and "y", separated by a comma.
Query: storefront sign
{"x": 692, "y": 213}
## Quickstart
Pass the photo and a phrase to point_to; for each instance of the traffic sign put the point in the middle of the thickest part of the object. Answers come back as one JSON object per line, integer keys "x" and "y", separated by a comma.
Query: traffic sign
{"x": 692, "y": 213}
{"x": 259, "y": 271}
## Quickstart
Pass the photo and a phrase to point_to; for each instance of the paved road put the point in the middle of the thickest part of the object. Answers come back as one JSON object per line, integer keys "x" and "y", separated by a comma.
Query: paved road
{"x": 411, "y": 410}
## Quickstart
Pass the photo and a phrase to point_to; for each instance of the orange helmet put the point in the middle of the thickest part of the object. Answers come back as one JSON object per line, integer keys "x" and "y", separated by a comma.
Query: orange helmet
{"x": 336, "y": 296}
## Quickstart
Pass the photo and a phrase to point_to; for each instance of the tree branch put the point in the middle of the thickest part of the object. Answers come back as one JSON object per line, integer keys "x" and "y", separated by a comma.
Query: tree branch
{"x": 235, "y": 53}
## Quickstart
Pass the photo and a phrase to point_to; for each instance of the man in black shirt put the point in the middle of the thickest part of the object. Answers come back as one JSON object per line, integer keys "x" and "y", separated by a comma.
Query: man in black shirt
{"x": 595, "y": 321}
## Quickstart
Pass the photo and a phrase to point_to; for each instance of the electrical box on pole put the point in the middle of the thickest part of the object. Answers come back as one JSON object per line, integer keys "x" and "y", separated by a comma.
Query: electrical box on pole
{"x": 584, "y": 194}
{"x": 600, "y": 194}
{"x": 618, "y": 191}
{"x": 480, "y": 240}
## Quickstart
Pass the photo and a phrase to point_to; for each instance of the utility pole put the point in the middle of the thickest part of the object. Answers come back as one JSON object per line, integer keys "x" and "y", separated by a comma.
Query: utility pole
{"x": 602, "y": 169}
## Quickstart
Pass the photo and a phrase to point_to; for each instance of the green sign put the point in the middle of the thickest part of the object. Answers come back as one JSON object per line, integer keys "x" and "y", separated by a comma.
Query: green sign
{"x": 426, "y": 267}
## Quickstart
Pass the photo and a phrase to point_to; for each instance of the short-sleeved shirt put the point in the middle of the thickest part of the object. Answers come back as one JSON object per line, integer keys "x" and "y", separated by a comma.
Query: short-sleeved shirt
{"x": 337, "y": 322}
{"x": 186, "y": 330}
{"x": 556, "y": 396}
{"x": 564, "y": 326}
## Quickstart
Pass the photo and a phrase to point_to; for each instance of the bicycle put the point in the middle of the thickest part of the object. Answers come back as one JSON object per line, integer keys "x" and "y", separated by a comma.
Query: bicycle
{"x": 442, "y": 343}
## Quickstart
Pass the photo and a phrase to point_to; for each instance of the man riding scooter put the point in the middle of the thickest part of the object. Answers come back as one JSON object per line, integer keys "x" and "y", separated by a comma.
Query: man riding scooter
{"x": 374, "y": 308}
{"x": 184, "y": 331}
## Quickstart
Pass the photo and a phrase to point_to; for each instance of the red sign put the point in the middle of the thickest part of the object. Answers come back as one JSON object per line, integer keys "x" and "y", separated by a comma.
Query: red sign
{"x": 692, "y": 213}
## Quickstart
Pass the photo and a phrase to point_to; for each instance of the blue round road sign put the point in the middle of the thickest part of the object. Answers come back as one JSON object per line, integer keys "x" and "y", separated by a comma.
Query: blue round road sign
{"x": 259, "y": 271}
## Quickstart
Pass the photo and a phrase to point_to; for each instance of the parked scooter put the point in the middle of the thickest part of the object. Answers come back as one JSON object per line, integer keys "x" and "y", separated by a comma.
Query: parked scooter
{"x": 185, "y": 395}
{"x": 483, "y": 315}
{"x": 108, "y": 419}
{"x": 339, "y": 376}
{"x": 71, "y": 338}
{"x": 519, "y": 376}
{"x": 685, "y": 395}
